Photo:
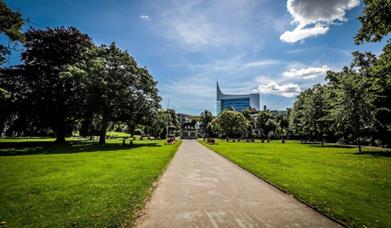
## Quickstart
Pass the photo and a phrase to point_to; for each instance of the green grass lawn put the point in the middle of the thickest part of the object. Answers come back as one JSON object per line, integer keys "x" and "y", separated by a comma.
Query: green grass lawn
{"x": 79, "y": 184}
{"x": 350, "y": 186}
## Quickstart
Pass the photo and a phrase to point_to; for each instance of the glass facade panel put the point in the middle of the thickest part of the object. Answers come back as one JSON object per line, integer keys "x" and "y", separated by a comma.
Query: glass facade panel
{"x": 239, "y": 104}
{"x": 218, "y": 106}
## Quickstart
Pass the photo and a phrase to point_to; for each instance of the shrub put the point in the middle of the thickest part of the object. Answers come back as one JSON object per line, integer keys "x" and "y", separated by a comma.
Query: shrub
{"x": 171, "y": 140}
{"x": 210, "y": 140}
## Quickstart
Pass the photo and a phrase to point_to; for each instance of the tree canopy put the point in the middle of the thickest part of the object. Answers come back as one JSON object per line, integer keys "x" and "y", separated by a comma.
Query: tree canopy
{"x": 375, "y": 21}
{"x": 232, "y": 123}
{"x": 67, "y": 83}
{"x": 11, "y": 23}
{"x": 206, "y": 123}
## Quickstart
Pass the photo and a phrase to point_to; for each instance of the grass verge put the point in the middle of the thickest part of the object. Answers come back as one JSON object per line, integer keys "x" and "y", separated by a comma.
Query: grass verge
{"x": 350, "y": 186}
{"x": 80, "y": 184}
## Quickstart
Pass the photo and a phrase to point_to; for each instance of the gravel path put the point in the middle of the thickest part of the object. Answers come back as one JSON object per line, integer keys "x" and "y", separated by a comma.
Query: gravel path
{"x": 202, "y": 189}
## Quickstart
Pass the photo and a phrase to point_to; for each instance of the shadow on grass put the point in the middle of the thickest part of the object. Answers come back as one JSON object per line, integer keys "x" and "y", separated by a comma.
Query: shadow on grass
{"x": 29, "y": 148}
{"x": 329, "y": 145}
{"x": 212, "y": 144}
{"x": 379, "y": 153}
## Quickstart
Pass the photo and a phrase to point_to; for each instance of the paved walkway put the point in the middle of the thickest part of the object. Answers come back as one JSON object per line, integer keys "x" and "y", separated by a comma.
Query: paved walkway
{"x": 202, "y": 189}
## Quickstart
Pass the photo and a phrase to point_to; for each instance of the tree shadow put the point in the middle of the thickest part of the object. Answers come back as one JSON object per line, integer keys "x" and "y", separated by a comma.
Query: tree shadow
{"x": 30, "y": 148}
{"x": 379, "y": 153}
{"x": 330, "y": 146}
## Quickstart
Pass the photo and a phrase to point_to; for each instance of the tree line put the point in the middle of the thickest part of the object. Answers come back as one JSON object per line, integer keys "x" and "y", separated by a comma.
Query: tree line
{"x": 247, "y": 124}
{"x": 354, "y": 106}
{"x": 67, "y": 83}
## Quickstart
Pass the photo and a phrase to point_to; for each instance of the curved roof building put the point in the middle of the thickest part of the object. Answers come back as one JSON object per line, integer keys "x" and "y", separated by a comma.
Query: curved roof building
{"x": 239, "y": 102}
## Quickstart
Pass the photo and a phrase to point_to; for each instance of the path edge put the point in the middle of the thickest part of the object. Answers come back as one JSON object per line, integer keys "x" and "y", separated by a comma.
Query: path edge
{"x": 279, "y": 188}
{"x": 140, "y": 211}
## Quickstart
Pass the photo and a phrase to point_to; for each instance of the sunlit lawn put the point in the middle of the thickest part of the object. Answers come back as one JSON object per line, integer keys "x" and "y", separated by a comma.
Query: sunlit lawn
{"x": 353, "y": 187}
{"x": 80, "y": 184}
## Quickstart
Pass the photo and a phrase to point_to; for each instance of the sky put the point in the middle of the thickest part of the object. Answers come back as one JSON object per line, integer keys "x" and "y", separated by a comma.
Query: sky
{"x": 275, "y": 47}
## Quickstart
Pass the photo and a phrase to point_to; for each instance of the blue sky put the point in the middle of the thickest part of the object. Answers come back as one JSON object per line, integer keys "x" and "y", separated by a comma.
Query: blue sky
{"x": 277, "y": 48}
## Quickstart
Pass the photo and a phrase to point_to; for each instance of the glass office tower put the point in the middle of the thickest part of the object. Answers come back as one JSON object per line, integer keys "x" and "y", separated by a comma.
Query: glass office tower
{"x": 238, "y": 102}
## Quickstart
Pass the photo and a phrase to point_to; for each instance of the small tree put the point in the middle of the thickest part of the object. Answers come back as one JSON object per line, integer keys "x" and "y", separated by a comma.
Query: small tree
{"x": 271, "y": 127}
{"x": 215, "y": 126}
{"x": 263, "y": 123}
{"x": 158, "y": 126}
{"x": 282, "y": 125}
{"x": 250, "y": 120}
{"x": 206, "y": 123}
{"x": 232, "y": 123}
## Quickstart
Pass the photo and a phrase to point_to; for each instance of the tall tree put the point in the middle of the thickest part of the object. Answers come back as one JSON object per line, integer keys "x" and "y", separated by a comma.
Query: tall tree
{"x": 143, "y": 101}
{"x": 353, "y": 105}
{"x": 316, "y": 112}
{"x": 297, "y": 120}
{"x": 116, "y": 90}
{"x": 111, "y": 76}
{"x": 381, "y": 85}
{"x": 53, "y": 96}
{"x": 11, "y": 27}
{"x": 375, "y": 21}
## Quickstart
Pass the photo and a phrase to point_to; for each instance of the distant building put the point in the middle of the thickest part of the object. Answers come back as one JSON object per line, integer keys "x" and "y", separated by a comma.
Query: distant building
{"x": 189, "y": 125}
{"x": 189, "y": 130}
{"x": 239, "y": 102}
{"x": 183, "y": 118}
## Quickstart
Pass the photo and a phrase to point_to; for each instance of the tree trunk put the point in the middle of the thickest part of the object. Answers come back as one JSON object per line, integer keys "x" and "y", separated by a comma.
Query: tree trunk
{"x": 60, "y": 138}
{"x": 132, "y": 128}
{"x": 102, "y": 138}
{"x": 358, "y": 138}
{"x": 60, "y": 133}
{"x": 102, "y": 132}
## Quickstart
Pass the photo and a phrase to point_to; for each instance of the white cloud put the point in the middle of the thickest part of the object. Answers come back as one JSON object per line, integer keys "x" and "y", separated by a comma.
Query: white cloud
{"x": 231, "y": 65}
{"x": 313, "y": 17}
{"x": 306, "y": 73}
{"x": 145, "y": 17}
{"x": 300, "y": 33}
{"x": 260, "y": 63}
{"x": 236, "y": 65}
{"x": 285, "y": 90}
